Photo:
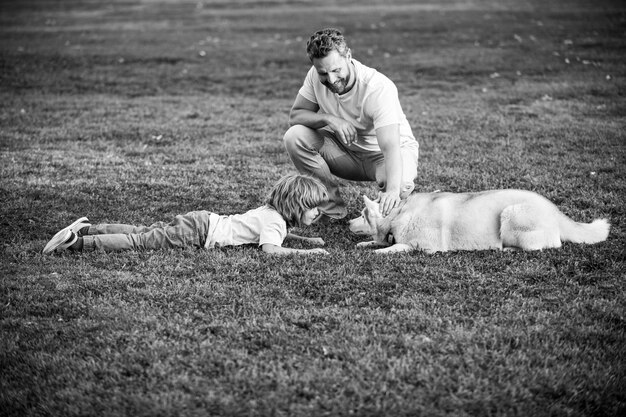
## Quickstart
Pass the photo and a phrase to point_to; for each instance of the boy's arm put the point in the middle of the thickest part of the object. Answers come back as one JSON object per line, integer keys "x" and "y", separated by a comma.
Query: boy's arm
{"x": 312, "y": 240}
{"x": 279, "y": 250}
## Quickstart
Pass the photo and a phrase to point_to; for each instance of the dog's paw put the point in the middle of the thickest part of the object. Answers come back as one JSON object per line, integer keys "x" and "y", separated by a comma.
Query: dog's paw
{"x": 368, "y": 244}
{"x": 398, "y": 247}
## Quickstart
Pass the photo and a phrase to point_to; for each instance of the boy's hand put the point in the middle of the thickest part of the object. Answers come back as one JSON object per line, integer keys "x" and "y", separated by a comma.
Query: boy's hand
{"x": 317, "y": 251}
{"x": 316, "y": 241}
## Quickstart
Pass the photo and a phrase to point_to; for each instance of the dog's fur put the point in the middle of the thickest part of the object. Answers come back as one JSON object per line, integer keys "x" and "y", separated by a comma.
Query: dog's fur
{"x": 496, "y": 219}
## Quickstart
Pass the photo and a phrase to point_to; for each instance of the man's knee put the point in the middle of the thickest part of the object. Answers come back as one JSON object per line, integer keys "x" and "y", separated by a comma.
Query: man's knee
{"x": 406, "y": 188}
{"x": 297, "y": 135}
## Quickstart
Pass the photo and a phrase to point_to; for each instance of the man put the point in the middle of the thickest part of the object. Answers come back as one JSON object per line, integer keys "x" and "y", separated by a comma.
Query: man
{"x": 347, "y": 122}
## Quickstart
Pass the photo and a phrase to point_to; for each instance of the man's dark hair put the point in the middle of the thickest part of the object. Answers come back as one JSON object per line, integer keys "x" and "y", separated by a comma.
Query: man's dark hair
{"x": 324, "y": 42}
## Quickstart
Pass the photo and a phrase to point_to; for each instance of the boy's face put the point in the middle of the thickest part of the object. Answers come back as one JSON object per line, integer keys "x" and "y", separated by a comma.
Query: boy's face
{"x": 335, "y": 72}
{"x": 308, "y": 216}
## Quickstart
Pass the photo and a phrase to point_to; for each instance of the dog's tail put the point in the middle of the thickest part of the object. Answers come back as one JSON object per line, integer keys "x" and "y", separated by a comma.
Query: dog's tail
{"x": 594, "y": 232}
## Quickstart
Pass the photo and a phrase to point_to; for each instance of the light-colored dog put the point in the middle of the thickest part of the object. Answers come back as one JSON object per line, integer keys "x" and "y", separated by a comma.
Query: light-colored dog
{"x": 496, "y": 219}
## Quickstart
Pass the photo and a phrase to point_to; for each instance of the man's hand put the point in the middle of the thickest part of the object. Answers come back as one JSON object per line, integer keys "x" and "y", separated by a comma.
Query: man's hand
{"x": 388, "y": 200}
{"x": 344, "y": 130}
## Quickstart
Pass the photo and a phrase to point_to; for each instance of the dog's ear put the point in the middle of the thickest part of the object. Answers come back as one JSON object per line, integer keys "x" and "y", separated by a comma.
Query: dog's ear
{"x": 372, "y": 205}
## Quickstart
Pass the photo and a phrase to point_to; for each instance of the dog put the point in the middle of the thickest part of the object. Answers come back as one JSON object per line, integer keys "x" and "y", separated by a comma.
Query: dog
{"x": 494, "y": 219}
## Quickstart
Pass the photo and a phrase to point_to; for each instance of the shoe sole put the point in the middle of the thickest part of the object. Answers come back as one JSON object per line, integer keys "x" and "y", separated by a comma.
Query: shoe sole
{"x": 69, "y": 242}
{"x": 63, "y": 235}
{"x": 56, "y": 241}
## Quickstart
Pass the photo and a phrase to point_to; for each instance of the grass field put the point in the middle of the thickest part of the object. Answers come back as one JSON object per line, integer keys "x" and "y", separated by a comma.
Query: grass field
{"x": 135, "y": 111}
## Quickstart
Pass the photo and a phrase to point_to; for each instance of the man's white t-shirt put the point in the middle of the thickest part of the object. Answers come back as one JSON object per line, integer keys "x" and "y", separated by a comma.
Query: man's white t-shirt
{"x": 261, "y": 225}
{"x": 371, "y": 104}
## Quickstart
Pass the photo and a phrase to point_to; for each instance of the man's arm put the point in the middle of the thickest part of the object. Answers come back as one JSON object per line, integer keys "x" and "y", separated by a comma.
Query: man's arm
{"x": 389, "y": 143}
{"x": 306, "y": 113}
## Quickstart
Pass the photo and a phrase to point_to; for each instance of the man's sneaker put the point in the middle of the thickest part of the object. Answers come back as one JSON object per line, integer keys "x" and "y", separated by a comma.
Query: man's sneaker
{"x": 60, "y": 239}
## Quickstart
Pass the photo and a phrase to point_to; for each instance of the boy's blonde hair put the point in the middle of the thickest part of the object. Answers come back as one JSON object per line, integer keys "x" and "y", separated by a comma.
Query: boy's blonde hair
{"x": 292, "y": 195}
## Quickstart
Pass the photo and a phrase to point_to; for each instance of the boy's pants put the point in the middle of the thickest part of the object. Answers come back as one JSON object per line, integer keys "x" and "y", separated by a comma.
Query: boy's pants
{"x": 188, "y": 230}
{"x": 320, "y": 154}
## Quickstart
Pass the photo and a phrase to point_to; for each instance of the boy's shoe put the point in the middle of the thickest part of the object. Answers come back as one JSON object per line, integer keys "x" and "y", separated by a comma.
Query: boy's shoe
{"x": 69, "y": 234}
{"x": 62, "y": 240}
{"x": 77, "y": 226}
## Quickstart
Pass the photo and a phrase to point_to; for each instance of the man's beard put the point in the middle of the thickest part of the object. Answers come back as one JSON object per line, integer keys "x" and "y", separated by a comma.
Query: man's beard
{"x": 337, "y": 88}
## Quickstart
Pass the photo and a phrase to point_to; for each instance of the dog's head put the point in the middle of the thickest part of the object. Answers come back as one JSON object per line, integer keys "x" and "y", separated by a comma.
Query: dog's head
{"x": 367, "y": 223}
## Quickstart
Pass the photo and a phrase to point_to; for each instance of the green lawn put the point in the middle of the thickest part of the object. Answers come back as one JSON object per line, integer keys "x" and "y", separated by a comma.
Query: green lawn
{"x": 135, "y": 111}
